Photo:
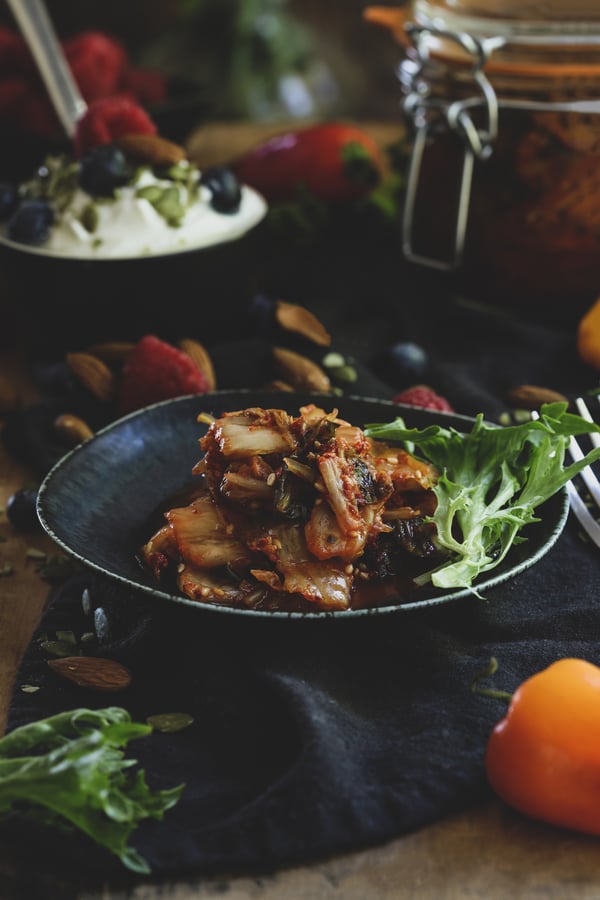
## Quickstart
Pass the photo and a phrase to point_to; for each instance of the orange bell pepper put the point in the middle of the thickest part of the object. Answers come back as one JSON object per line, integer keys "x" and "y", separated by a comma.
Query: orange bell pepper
{"x": 543, "y": 757}
{"x": 391, "y": 18}
{"x": 588, "y": 336}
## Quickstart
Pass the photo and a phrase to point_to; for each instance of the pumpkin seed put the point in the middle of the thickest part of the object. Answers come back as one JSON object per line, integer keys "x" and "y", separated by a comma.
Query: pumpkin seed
{"x": 33, "y": 553}
{"x": 137, "y": 175}
{"x": 86, "y": 601}
{"x": 58, "y": 648}
{"x": 177, "y": 172}
{"x": 345, "y": 374}
{"x": 169, "y": 206}
{"x": 170, "y": 722}
{"x": 56, "y": 567}
{"x": 101, "y": 624}
{"x": 187, "y": 176}
{"x": 150, "y": 192}
{"x": 67, "y": 636}
{"x": 89, "y": 218}
{"x": 56, "y": 181}
{"x": 333, "y": 361}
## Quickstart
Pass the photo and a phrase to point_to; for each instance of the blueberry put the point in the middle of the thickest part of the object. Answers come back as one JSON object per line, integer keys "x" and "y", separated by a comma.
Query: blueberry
{"x": 404, "y": 363}
{"x": 21, "y": 509}
{"x": 9, "y": 199}
{"x": 31, "y": 222}
{"x": 224, "y": 187}
{"x": 103, "y": 169}
{"x": 54, "y": 377}
{"x": 262, "y": 313}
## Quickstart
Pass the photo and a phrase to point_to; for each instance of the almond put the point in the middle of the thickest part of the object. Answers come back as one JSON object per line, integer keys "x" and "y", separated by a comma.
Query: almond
{"x": 301, "y": 321}
{"x": 300, "y": 371}
{"x": 9, "y": 398}
{"x": 277, "y": 385}
{"x": 93, "y": 374}
{"x": 72, "y": 429}
{"x": 201, "y": 359}
{"x": 95, "y": 672}
{"x": 531, "y": 396}
{"x": 111, "y": 351}
{"x": 151, "y": 148}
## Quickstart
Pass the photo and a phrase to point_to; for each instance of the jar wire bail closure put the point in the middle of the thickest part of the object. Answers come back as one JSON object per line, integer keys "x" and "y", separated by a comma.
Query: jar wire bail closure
{"x": 430, "y": 114}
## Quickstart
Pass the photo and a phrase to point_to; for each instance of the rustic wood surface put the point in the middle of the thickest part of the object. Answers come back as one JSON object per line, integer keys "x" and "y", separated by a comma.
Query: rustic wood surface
{"x": 487, "y": 852}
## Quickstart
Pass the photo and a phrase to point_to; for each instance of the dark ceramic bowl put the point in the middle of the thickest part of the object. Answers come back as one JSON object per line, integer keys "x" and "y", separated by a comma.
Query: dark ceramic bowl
{"x": 64, "y": 303}
{"x": 97, "y": 503}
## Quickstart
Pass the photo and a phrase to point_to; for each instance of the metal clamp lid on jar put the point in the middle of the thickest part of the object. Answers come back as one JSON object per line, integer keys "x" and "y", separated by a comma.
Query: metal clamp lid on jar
{"x": 431, "y": 113}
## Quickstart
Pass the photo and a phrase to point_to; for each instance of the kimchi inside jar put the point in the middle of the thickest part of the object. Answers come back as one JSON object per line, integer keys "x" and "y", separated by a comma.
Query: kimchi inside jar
{"x": 502, "y": 101}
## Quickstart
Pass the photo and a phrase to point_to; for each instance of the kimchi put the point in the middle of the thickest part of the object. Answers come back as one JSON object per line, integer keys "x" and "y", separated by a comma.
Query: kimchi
{"x": 295, "y": 513}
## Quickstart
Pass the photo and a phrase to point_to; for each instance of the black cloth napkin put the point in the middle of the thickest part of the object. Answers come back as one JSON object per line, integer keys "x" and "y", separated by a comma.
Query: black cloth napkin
{"x": 313, "y": 738}
{"x": 309, "y": 738}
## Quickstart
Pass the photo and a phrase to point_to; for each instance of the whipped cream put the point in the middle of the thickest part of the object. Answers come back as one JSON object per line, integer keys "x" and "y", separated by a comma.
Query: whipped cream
{"x": 128, "y": 225}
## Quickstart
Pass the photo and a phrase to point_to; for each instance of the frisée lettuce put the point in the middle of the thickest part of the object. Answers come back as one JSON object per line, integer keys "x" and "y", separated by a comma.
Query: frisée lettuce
{"x": 492, "y": 479}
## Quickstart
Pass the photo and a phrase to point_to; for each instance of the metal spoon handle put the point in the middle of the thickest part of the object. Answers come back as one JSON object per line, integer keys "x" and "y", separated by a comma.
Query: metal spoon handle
{"x": 34, "y": 22}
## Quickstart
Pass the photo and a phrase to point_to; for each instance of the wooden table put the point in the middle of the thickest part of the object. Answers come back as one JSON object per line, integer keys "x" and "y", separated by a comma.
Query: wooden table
{"x": 487, "y": 852}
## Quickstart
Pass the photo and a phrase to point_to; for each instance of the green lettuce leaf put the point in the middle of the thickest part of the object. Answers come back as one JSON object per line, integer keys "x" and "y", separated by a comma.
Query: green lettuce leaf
{"x": 70, "y": 769}
{"x": 492, "y": 479}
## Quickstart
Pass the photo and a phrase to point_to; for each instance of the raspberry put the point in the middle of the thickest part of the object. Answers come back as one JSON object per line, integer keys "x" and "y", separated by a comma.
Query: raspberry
{"x": 15, "y": 56}
{"x": 36, "y": 114}
{"x": 154, "y": 371}
{"x": 109, "y": 118}
{"x": 148, "y": 86}
{"x": 23, "y": 106}
{"x": 13, "y": 92}
{"x": 97, "y": 62}
{"x": 423, "y": 396}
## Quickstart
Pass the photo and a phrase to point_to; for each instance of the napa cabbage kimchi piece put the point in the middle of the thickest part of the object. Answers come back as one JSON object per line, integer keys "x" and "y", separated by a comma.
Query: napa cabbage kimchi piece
{"x": 294, "y": 513}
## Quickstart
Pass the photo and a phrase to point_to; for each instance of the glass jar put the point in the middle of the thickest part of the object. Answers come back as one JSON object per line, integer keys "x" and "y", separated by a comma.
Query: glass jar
{"x": 502, "y": 103}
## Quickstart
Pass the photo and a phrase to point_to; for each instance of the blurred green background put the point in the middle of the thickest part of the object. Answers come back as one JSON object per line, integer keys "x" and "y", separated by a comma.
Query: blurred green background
{"x": 257, "y": 59}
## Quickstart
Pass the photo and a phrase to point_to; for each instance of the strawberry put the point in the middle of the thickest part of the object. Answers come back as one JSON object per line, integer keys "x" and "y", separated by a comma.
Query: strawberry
{"x": 97, "y": 62}
{"x": 423, "y": 396}
{"x": 109, "y": 118}
{"x": 332, "y": 160}
{"x": 155, "y": 370}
